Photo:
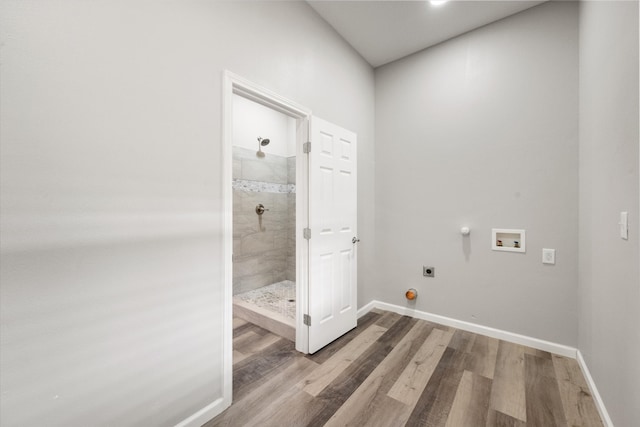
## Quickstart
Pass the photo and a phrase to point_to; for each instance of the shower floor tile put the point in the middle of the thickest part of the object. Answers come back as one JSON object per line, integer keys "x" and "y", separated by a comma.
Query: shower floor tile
{"x": 279, "y": 298}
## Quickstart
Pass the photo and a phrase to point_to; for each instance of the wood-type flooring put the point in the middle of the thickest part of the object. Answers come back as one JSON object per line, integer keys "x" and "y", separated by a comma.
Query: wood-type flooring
{"x": 395, "y": 370}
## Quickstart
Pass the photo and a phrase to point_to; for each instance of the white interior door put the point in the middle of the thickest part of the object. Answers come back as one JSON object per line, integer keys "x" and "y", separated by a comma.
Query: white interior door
{"x": 333, "y": 225}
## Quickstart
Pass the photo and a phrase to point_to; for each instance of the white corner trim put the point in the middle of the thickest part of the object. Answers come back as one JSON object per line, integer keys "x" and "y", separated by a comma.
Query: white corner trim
{"x": 536, "y": 343}
{"x": 367, "y": 308}
{"x": 205, "y": 414}
{"x": 594, "y": 391}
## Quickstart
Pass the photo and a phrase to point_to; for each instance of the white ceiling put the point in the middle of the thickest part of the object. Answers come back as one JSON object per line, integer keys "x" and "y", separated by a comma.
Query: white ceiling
{"x": 383, "y": 31}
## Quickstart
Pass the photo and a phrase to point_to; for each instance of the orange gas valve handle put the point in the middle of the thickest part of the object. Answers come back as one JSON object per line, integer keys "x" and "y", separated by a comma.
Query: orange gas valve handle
{"x": 411, "y": 294}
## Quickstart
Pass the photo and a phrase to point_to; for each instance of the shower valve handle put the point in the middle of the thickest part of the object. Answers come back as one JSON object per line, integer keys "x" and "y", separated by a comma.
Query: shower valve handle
{"x": 260, "y": 209}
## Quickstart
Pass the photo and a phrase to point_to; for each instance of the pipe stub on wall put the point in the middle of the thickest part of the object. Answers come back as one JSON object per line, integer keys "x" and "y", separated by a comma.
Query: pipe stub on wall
{"x": 411, "y": 294}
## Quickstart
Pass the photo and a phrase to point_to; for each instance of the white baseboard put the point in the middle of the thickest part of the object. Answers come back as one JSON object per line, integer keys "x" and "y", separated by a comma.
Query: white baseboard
{"x": 594, "y": 391}
{"x": 539, "y": 344}
{"x": 205, "y": 414}
{"x": 367, "y": 308}
{"x": 213, "y": 409}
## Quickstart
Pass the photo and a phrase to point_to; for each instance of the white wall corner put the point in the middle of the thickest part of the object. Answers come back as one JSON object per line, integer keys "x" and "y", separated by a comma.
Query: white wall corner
{"x": 367, "y": 308}
{"x": 604, "y": 415}
{"x": 536, "y": 343}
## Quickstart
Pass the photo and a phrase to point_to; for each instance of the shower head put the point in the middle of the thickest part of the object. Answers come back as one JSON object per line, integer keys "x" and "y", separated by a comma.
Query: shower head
{"x": 262, "y": 143}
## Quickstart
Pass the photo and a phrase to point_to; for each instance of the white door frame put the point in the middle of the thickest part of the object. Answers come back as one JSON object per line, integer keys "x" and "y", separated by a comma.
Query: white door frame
{"x": 234, "y": 84}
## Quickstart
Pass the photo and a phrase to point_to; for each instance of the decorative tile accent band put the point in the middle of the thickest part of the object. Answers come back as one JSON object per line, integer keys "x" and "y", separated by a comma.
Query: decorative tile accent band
{"x": 262, "y": 187}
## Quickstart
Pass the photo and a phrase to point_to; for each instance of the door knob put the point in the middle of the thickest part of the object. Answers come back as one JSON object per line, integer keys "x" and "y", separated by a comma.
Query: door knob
{"x": 260, "y": 209}
{"x": 355, "y": 240}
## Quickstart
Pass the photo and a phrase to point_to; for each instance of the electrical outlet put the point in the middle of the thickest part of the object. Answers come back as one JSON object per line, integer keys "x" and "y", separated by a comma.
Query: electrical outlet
{"x": 548, "y": 256}
{"x": 428, "y": 271}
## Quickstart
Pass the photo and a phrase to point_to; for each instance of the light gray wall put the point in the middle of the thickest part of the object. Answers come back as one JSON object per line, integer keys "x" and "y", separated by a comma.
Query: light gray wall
{"x": 482, "y": 131}
{"x": 609, "y": 294}
{"x": 111, "y": 193}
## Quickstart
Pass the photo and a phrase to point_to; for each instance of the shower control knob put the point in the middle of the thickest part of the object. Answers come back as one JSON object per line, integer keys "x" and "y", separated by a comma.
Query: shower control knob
{"x": 260, "y": 209}
{"x": 355, "y": 240}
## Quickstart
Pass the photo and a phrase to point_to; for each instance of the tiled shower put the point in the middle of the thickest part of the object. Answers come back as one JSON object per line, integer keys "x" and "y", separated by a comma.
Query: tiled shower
{"x": 264, "y": 245}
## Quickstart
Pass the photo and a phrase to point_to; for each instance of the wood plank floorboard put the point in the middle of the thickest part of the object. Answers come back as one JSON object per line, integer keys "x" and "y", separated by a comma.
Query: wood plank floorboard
{"x": 351, "y": 378}
{"x": 579, "y": 407}
{"x": 462, "y": 340}
{"x": 434, "y": 404}
{"x": 258, "y": 368}
{"x": 246, "y": 327}
{"x": 498, "y": 419}
{"x": 387, "y": 319}
{"x": 538, "y": 353}
{"x": 544, "y": 405}
{"x": 508, "y": 389}
{"x": 325, "y": 353}
{"x": 482, "y": 359}
{"x": 394, "y": 371}
{"x": 369, "y": 404}
{"x": 418, "y": 372}
{"x": 471, "y": 403}
{"x": 325, "y": 374}
{"x": 237, "y": 322}
{"x": 254, "y": 402}
{"x": 251, "y": 343}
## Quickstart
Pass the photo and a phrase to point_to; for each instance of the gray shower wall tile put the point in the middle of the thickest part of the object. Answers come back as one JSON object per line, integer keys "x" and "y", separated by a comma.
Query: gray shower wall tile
{"x": 242, "y": 229}
{"x": 252, "y": 282}
{"x": 237, "y": 200}
{"x": 279, "y": 276}
{"x": 259, "y": 170}
{"x": 252, "y": 199}
{"x": 245, "y": 153}
{"x": 291, "y": 236}
{"x": 245, "y": 266}
{"x": 240, "y": 154}
{"x": 291, "y": 170}
{"x": 274, "y": 202}
{"x": 270, "y": 168}
{"x": 257, "y": 243}
{"x": 264, "y": 246}
{"x": 236, "y": 172}
{"x": 237, "y": 246}
{"x": 291, "y": 205}
{"x": 277, "y": 205}
{"x": 290, "y": 273}
{"x": 281, "y": 204}
{"x": 274, "y": 223}
{"x": 253, "y": 271}
{"x": 281, "y": 241}
{"x": 247, "y": 224}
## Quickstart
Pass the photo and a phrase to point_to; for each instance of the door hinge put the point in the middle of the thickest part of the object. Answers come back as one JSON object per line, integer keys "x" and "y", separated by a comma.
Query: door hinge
{"x": 307, "y": 320}
{"x": 306, "y": 147}
{"x": 306, "y": 233}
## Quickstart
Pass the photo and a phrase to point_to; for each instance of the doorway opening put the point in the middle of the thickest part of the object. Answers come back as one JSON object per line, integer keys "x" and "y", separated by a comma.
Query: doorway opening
{"x": 264, "y": 216}
{"x": 323, "y": 229}
{"x": 261, "y": 152}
